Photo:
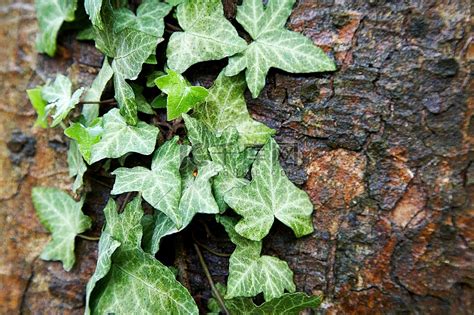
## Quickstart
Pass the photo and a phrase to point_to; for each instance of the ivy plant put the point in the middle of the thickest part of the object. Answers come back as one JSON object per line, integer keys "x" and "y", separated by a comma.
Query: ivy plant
{"x": 223, "y": 163}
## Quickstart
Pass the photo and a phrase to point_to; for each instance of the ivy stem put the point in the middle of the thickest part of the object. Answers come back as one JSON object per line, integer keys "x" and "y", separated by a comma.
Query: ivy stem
{"x": 89, "y": 238}
{"x": 109, "y": 101}
{"x": 210, "y": 250}
{"x": 125, "y": 201}
{"x": 174, "y": 27}
{"x": 216, "y": 292}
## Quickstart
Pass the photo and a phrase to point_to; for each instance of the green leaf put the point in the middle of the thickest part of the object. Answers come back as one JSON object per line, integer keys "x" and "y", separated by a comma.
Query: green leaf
{"x": 107, "y": 246}
{"x": 119, "y": 138}
{"x": 250, "y": 273}
{"x": 207, "y": 35}
{"x": 160, "y": 225}
{"x": 39, "y": 104}
{"x": 130, "y": 39}
{"x": 270, "y": 194}
{"x": 61, "y": 216}
{"x": 51, "y": 14}
{"x": 273, "y": 45}
{"x": 175, "y": 2}
{"x": 86, "y": 137}
{"x": 60, "y": 98}
{"x": 155, "y": 289}
{"x": 288, "y": 304}
{"x": 202, "y": 138}
{"x": 182, "y": 96}
{"x": 142, "y": 104}
{"x": 225, "y": 107}
{"x": 76, "y": 164}
{"x": 160, "y": 186}
{"x": 94, "y": 93}
{"x": 93, "y": 8}
{"x": 197, "y": 195}
{"x": 235, "y": 160}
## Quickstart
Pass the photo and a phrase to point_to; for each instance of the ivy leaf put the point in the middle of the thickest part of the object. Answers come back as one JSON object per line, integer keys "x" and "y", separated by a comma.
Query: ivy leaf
{"x": 202, "y": 138}
{"x": 61, "y": 216}
{"x": 39, "y": 104}
{"x": 270, "y": 194}
{"x": 128, "y": 266}
{"x": 130, "y": 39}
{"x": 160, "y": 186}
{"x": 175, "y": 2}
{"x": 225, "y": 107}
{"x": 273, "y": 45}
{"x": 159, "y": 226}
{"x": 142, "y": 104}
{"x": 93, "y": 10}
{"x": 60, "y": 98}
{"x": 288, "y": 304}
{"x": 182, "y": 96}
{"x": 94, "y": 93}
{"x": 51, "y": 15}
{"x": 197, "y": 196}
{"x": 207, "y": 35}
{"x": 76, "y": 164}
{"x": 86, "y": 137}
{"x": 107, "y": 246}
{"x": 119, "y": 138}
{"x": 236, "y": 162}
{"x": 250, "y": 273}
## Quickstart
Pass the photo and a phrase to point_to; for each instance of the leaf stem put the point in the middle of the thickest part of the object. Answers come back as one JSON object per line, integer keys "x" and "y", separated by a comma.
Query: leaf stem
{"x": 89, "y": 238}
{"x": 216, "y": 292}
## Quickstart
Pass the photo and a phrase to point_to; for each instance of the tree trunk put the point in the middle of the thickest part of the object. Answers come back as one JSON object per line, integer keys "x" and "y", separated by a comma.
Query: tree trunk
{"x": 381, "y": 145}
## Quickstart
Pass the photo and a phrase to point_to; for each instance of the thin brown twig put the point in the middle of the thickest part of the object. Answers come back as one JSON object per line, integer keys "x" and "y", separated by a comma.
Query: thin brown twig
{"x": 173, "y": 27}
{"x": 216, "y": 292}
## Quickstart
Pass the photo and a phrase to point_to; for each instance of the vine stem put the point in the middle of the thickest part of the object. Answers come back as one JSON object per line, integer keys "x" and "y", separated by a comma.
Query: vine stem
{"x": 89, "y": 238}
{"x": 216, "y": 292}
{"x": 210, "y": 250}
{"x": 109, "y": 101}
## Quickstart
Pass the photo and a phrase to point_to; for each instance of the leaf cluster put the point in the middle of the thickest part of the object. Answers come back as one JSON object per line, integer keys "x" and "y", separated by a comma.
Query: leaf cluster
{"x": 226, "y": 164}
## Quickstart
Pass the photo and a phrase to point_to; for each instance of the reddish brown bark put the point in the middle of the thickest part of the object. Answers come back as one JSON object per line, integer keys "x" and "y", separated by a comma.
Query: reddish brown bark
{"x": 382, "y": 147}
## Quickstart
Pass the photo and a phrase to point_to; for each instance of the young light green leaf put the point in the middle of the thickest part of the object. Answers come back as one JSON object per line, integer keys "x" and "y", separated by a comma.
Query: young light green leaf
{"x": 86, "y": 137}
{"x": 107, "y": 246}
{"x": 76, "y": 164}
{"x": 288, "y": 304}
{"x": 160, "y": 186}
{"x": 51, "y": 14}
{"x": 270, "y": 194}
{"x": 225, "y": 107}
{"x": 182, "y": 96}
{"x": 250, "y": 273}
{"x": 131, "y": 267}
{"x": 59, "y": 98}
{"x": 119, "y": 138}
{"x": 90, "y": 111}
{"x": 63, "y": 217}
{"x": 207, "y": 35}
{"x": 273, "y": 45}
{"x": 39, "y": 104}
{"x": 93, "y": 10}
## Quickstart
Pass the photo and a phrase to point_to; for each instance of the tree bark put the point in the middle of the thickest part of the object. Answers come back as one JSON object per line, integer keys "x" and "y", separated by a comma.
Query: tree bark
{"x": 381, "y": 146}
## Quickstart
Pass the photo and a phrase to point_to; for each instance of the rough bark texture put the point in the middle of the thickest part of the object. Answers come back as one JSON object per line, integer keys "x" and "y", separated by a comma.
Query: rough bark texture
{"x": 381, "y": 146}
